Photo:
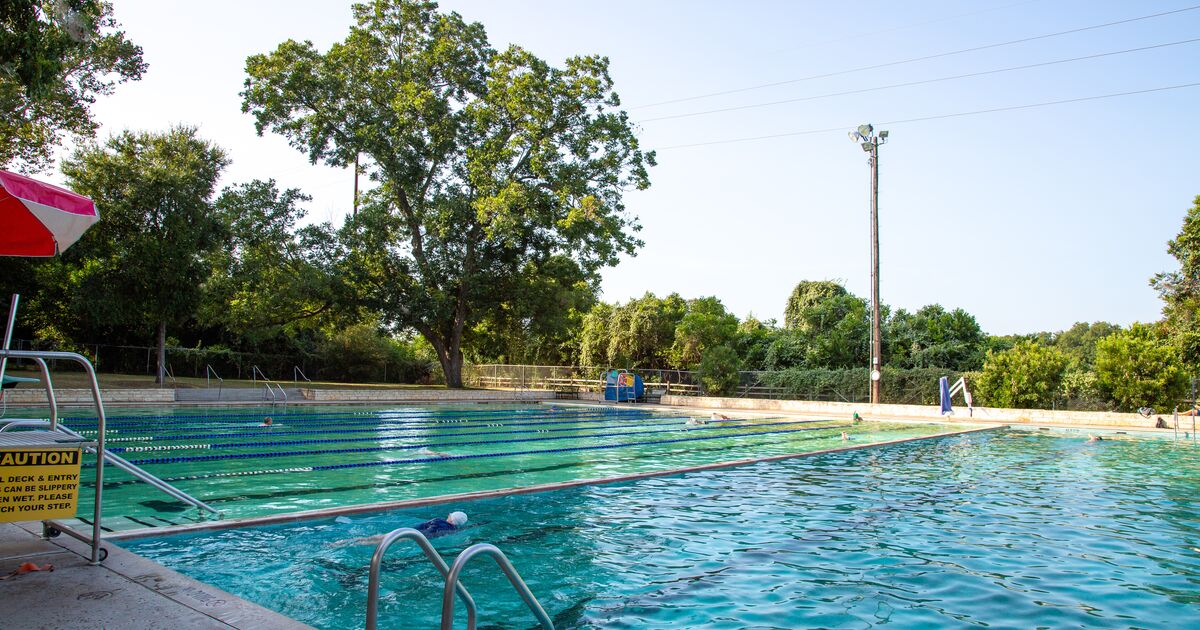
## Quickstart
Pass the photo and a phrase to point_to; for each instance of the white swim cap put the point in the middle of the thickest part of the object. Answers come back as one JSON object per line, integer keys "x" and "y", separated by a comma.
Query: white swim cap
{"x": 457, "y": 519}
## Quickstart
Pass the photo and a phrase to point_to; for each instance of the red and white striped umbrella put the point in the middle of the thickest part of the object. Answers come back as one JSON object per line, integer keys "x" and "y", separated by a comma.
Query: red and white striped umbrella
{"x": 40, "y": 219}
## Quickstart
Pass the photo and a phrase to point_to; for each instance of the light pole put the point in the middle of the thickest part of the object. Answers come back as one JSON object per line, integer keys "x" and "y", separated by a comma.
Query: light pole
{"x": 866, "y": 137}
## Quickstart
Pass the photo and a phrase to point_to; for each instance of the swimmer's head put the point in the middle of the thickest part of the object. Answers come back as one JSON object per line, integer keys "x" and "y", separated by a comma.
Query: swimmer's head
{"x": 457, "y": 519}
{"x": 267, "y": 421}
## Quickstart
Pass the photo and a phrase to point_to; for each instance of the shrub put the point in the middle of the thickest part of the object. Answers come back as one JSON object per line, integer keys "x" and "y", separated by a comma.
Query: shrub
{"x": 1137, "y": 368}
{"x": 718, "y": 371}
{"x": 1026, "y": 376}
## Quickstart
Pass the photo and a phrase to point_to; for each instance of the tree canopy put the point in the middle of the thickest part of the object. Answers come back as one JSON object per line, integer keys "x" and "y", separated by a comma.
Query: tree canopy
{"x": 56, "y": 57}
{"x": 487, "y": 163}
{"x": 1180, "y": 289}
{"x": 1139, "y": 368}
{"x": 144, "y": 265}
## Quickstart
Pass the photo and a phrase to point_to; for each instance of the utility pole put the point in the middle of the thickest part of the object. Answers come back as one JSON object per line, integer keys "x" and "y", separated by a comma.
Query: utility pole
{"x": 870, "y": 142}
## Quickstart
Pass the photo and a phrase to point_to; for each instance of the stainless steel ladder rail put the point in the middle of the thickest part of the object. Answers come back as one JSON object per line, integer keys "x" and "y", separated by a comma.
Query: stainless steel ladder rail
{"x": 510, "y": 572}
{"x": 209, "y": 374}
{"x": 123, "y": 464}
{"x": 101, "y": 425}
{"x": 298, "y": 374}
{"x": 408, "y": 533}
{"x": 255, "y": 372}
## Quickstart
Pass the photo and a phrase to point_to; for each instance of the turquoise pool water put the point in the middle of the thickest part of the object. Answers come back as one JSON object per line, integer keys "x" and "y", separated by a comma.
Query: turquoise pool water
{"x": 996, "y": 529}
{"x": 334, "y": 457}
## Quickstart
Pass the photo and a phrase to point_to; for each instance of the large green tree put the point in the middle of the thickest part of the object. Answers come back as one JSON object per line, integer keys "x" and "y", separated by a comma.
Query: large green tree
{"x": 637, "y": 334}
{"x": 144, "y": 264}
{"x": 486, "y": 162}
{"x": 1180, "y": 289}
{"x": 825, "y": 326}
{"x": 706, "y": 325}
{"x": 1026, "y": 376}
{"x": 268, "y": 274}
{"x": 934, "y": 337}
{"x": 1139, "y": 368}
{"x": 56, "y": 57}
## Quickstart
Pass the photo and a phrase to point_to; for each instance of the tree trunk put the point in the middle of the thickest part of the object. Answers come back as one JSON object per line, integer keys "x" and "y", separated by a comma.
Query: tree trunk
{"x": 452, "y": 367}
{"x": 160, "y": 375}
{"x": 449, "y": 354}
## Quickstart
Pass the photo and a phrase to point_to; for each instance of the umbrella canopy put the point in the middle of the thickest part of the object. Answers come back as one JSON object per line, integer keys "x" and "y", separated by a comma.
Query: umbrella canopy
{"x": 40, "y": 219}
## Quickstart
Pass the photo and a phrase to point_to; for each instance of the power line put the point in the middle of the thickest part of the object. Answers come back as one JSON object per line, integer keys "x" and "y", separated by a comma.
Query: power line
{"x": 921, "y": 82}
{"x": 843, "y": 128}
{"x": 906, "y": 26}
{"x": 916, "y": 59}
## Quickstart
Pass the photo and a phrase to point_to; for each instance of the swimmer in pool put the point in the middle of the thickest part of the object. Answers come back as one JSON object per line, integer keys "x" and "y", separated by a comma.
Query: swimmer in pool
{"x": 432, "y": 453}
{"x": 845, "y": 437}
{"x": 696, "y": 422}
{"x": 432, "y": 528}
{"x": 719, "y": 416}
{"x": 267, "y": 422}
{"x": 1094, "y": 438}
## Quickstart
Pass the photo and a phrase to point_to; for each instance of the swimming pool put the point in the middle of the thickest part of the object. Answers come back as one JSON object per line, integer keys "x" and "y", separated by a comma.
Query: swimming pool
{"x": 1003, "y": 528}
{"x": 335, "y": 457}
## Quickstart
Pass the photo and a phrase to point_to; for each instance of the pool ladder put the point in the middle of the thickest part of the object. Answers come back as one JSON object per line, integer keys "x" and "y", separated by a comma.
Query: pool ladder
{"x": 453, "y": 585}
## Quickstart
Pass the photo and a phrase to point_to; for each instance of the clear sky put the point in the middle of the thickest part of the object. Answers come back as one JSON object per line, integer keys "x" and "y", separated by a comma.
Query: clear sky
{"x": 1030, "y": 219}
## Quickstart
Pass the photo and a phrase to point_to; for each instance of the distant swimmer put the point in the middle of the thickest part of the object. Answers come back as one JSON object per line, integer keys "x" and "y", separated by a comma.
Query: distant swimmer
{"x": 696, "y": 422}
{"x": 845, "y": 436}
{"x": 432, "y": 453}
{"x": 267, "y": 422}
{"x": 1094, "y": 438}
{"x": 432, "y": 528}
{"x": 719, "y": 416}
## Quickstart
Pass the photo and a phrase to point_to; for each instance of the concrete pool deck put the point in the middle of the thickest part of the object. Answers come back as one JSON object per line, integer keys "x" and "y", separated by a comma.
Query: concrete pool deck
{"x": 125, "y": 591}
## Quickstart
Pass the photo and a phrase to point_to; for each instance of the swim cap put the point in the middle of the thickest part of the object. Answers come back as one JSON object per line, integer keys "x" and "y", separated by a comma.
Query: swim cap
{"x": 457, "y": 519}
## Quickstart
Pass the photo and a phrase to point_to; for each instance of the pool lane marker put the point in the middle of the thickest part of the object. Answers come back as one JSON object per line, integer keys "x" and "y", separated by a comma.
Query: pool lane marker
{"x": 332, "y": 422}
{"x": 119, "y": 421}
{"x": 387, "y": 506}
{"x": 393, "y": 412}
{"x": 424, "y": 460}
{"x": 380, "y": 435}
{"x": 280, "y": 429}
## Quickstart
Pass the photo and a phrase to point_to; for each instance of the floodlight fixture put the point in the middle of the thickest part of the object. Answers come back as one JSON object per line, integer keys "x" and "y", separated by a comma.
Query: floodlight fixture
{"x": 867, "y": 146}
{"x": 865, "y": 130}
{"x": 883, "y": 134}
{"x": 854, "y": 137}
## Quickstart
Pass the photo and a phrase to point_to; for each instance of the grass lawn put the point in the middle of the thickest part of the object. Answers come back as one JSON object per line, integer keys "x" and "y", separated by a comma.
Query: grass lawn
{"x": 74, "y": 379}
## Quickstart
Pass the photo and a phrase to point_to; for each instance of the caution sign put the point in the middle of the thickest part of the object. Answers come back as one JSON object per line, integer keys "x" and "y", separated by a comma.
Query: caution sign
{"x": 38, "y": 484}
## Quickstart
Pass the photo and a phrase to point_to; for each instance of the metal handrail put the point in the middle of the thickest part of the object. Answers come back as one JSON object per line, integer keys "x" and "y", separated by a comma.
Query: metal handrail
{"x": 101, "y": 422}
{"x": 510, "y": 572}
{"x": 409, "y": 533}
{"x": 297, "y": 371}
{"x": 255, "y": 372}
{"x": 120, "y": 462}
{"x": 209, "y": 374}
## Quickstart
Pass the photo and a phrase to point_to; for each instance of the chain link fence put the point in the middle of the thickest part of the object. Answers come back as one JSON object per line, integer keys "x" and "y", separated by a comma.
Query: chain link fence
{"x": 181, "y": 362}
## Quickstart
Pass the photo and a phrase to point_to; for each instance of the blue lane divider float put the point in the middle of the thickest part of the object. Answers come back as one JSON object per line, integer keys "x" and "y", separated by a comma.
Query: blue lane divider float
{"x": 279, "y": 429}
{"x": 374, "y": 449}
{"x": 378, "y": 437}
{"x": 567, "y": 449}
{"x": 455, "y": 457}
{"x": 316, "y": 419}
{"x": 430, "y": 460}
{"x": 423, "y": 413}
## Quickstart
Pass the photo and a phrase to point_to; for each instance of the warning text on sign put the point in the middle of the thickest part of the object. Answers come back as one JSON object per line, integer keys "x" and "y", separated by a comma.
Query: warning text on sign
{"x": 38, "y": 484}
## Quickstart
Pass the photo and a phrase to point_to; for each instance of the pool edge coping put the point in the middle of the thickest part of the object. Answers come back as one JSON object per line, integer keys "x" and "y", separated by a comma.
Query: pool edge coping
{"x": 320, "y": 513}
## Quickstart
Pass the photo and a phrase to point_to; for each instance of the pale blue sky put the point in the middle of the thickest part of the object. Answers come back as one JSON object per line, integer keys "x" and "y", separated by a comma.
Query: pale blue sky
{"x": 1030, "y": 219}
